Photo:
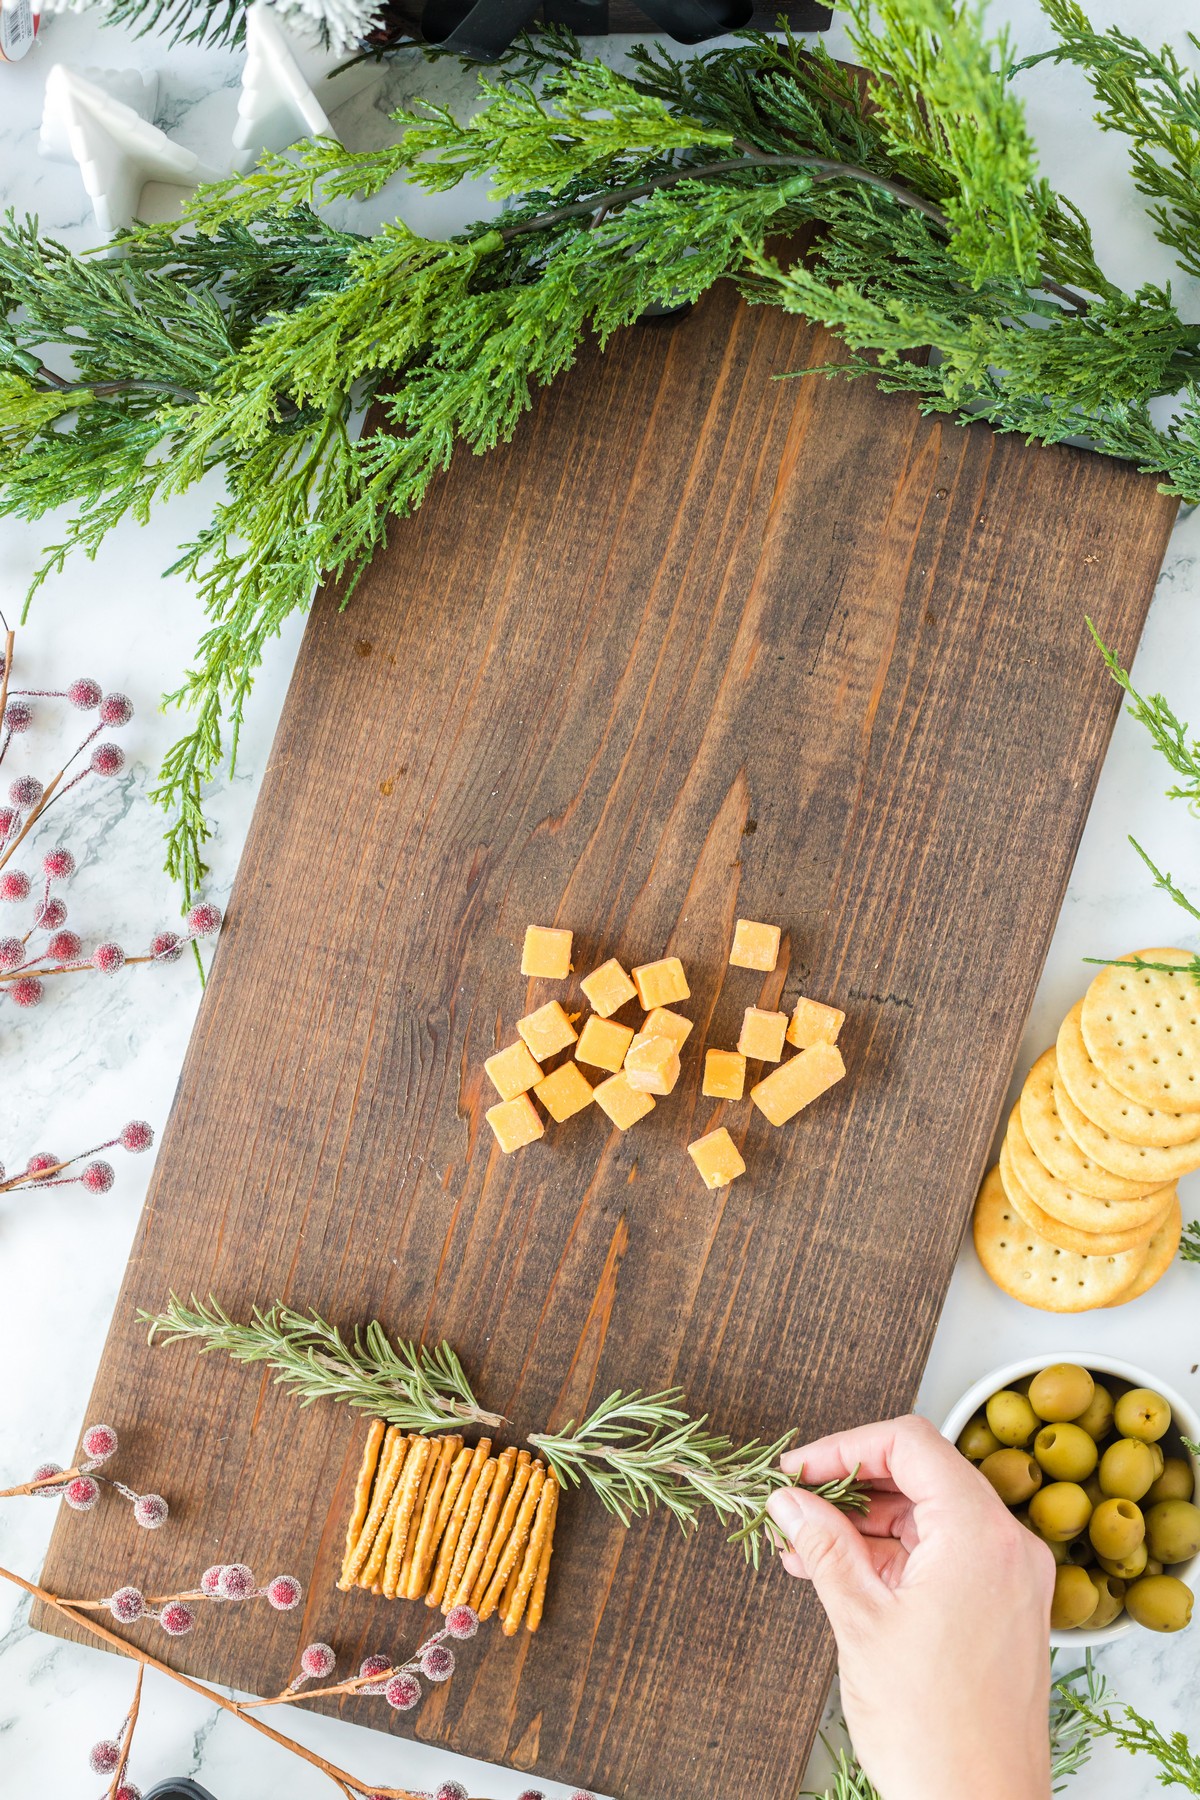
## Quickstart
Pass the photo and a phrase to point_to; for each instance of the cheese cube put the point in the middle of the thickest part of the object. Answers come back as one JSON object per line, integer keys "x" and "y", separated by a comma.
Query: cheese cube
{"x": 547, "y": 1030}
{"x": 761, "y": 1035}
{"x": 660, "y": 1022}
{"x": 512, "y": 1071}
{"x": 564, "y": 1092}
{"x": 755, "y": 946}
{"x": 603, "y": 1044}
{"x": 717, "y": 1157}
{"x": 608, "y": 988}
{"x": 786, "y": 1090}
{"x": 813, "y": 1023}
{"x": 658, "y": 983}
{"x": 515, "y": 1123}
{"x": 652, "y": 1064}
{"x": 623, "y": 1104}
{"x": 724, "y": 1074}
{"x": 547, "y": 952}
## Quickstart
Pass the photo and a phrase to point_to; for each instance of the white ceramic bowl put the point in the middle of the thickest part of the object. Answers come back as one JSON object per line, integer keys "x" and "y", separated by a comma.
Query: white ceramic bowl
{"x": 1185, "y": 1420}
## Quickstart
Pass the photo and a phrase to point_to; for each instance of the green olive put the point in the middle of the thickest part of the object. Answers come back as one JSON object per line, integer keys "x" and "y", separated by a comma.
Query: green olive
{"x": 1126, "y": 1469}
{"x": 1075, "y": 1598}
{"x": 1065, "y": 1452}
{"x": 977, "y": 1439}
{"x": 1173, "y": 1530}
{"x": 1152, "y": 1567}
{"x": 1011, "y": 1418}
{"x": 1116, "y": 1528}
{"x": 1127, "y": 1567}
{"x": 1081, "y": 1551}
{"x": 1097, "y": 1418}
{"x": 1176, "y": 1481}
{"x": 1061, "y": 1392}
{"x": 1110, "y": 1597}
{"x": 1159, "y": 1602}
{"x": 1093, "y": 1490}
{"x": 1143, "y": 1414}
{"x": 1160, "y": 1461}
{"x": 1060, "y": 1511}
{"x": 1013, "y": 1473}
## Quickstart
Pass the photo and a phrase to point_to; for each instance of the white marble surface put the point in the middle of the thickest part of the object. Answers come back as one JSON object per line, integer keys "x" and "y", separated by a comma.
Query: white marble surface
{"x": 98, "y": 1052}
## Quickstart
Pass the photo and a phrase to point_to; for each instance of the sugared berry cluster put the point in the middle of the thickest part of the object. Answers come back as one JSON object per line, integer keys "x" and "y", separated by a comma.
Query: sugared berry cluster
{"x": 80, "y": 1485}
{"x": 176, "y": 1613}
{"x": 398, "y": 1683}
{"x": 45, "y": 1169}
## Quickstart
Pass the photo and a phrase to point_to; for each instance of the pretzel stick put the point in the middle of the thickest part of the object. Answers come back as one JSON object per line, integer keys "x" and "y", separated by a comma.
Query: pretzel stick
{"x": 372, "y": 1569}
{"x": 510, "y": 1588}
{"x": 531, "y": 1562}
{"x": 458, "y": 1516}
{"x": 414, "y": 1470}
{"x": 537, "y": 1594}
{"x": 460, "y": 1595}
{"x": 518, "y": 1538}
{"x": 507, "y": 1520}
{"x": 469, "y": 1532}
{"x": 362, "y": 1490}
{"x": 389, "y": 1468}
{"x": 453, "y": 1457}
{"x": 406, "y": 1561}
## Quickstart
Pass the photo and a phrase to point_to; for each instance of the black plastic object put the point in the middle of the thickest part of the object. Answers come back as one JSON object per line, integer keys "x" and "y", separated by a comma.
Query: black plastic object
{"x": 183, "y": 1789}
{"x": 482, "y": 30}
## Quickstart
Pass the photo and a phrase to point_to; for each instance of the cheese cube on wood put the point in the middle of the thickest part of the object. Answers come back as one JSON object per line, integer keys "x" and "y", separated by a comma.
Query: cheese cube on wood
{"x": 718, "y": 1158}
{"x": 564, "y": 1092}
{"x": 515, "y": 1123}
{"x": 788, "y": 1089}
{"x": 812, "y": 1023}
{"x": 512, "y": 1071}
{"x": 603, "y": 1044}
{"x": 608, "y": 988}
{"x": 661, "y": 1022}
{"x": 761, "y": 1035}
{"x": 755, "y": 946}
{"x": 724, "y": 1074}
{"x": 652, "y": 1064}
{"x": 658, "y": 983}
{"x": 623, "y": 1104}
{"x": 547, "y": 1030}
{"x": 547, "y": 952}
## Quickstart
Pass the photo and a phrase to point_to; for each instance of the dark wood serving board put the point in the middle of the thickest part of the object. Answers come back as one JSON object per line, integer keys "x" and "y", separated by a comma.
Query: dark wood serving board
{"x": 700, "y": 643}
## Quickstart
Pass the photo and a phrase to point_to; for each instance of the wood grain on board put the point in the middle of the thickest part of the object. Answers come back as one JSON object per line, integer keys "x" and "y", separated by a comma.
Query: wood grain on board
{"x": 700, "y": 643}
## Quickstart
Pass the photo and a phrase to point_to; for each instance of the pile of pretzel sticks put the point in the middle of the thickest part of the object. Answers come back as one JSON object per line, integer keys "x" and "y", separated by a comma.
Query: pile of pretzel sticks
{"x": 435, "y": 1520}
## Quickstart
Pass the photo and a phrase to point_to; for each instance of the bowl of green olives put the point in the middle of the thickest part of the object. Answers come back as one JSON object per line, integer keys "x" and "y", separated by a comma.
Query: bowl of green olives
{"x": 1096, "y": 1457}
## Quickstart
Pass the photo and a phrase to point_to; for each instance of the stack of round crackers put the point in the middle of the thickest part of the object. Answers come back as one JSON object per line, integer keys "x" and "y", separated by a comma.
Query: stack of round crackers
{"x": 1082, "y": 1210}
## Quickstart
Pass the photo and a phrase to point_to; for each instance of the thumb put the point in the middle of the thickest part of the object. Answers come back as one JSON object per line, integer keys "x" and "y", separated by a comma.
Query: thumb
{"x": 831, "y": 1551}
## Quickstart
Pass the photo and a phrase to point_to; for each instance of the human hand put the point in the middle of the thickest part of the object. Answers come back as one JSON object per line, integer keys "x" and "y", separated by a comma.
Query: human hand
{"x": 940, "y": 1603}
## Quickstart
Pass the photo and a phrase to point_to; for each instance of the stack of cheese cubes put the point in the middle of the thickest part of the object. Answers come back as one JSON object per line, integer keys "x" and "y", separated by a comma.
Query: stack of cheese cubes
{"x": 643, "y": 1064}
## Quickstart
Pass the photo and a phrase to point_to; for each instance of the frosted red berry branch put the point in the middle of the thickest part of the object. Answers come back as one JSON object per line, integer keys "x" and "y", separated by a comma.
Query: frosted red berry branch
{"x": 46, "y": 1169}
{"x": 80, "y": 1485}
{"x": 176, "y": 1614}
{"x": 399, "y": 1683}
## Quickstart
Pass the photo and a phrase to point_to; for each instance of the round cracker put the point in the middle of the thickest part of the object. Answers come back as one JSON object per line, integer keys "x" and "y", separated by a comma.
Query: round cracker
{"x": 1147, "y": 1163}
{"x": 1160, "y": 1253}
{"x": 1067, "y": 1237}
{"x": 1039, "y": 1274}
{"x": 1057, "y": 1150}
{"x": 1115, "y": 1112}
{"x": 1142, "y": 1030}
{"x": 1083, "y": 1212}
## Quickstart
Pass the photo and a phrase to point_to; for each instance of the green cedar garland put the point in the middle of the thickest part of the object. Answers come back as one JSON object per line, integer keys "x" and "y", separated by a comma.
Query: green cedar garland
{"x": 247, "y": 346}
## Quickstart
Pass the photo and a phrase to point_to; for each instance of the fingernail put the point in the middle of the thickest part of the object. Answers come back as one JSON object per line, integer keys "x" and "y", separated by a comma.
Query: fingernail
{"x": 786, "y": 1510}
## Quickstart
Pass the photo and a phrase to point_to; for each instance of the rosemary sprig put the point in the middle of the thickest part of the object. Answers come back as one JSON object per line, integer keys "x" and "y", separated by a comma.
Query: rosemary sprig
{"x": 1168, "y": 733}
{"x": 1189, "y": 1244}
{"x": 409, "y": 1385}
{"x": 1178, "y": 1764}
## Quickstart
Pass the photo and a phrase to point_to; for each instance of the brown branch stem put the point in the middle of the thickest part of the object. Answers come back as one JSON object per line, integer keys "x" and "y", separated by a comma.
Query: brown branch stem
{"x": 39, "y": 1487}
{"x": 127, "y": 1731}
{"x": 354, "y": 1686}
{"x": 36, "y": 812}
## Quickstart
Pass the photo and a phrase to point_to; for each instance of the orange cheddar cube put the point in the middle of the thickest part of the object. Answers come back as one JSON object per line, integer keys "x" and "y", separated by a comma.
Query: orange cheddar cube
{"x": 812, "y": 1023}
{"x": 623, "y": 1104}
{"x": 724, "y": 1074}
{"x": 515, "y": 1123}
{"x": 564, "y": 1092}
{"x": 718, "y": 1158}
{"x": 661, "y": 1022}
{"x": 547, "y": 1030}
{"x": 603, "y": 1044}
{"x": 761, "y": 1036}
{"x": 783, "y": 1093}
{"x": 755, "y": 946}
{"x": 512, "y": 1071}
{"x": 547, "y": 952}
{"x": 652, "y": 1064}
{"x": 608, "y": 988}
{"x": 658, "y": 983}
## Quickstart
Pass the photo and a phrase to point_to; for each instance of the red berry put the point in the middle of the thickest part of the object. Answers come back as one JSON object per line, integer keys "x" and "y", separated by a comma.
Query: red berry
{"x": 51, "y": 914}
{"x": 40, "y": 1161}
{"x": 150, "y": 1511}
{"x": 402, "y": 1692}
{"x": 8, "y": 819}
{"x": 236, "y": 1582}
{"x": 58, "y": 864}
{"x": 437, "y": 1662}
{"x": 210, "y": 1581}
{"x": 65, "y": 946}
{"x": 98, "y": 1177}
{"x": 107, "y": 759}
{"x": 18, "y": 715}
{"x": 14, "y": 885}
{"x": 126, "y": 1605}
{"x": 84, "y": 694}
{"x": 451, "y": 1790}
{"x": 115, "y": 709}
{"x": 99, "y": 1443}
{"x": 177, "y": 1619}
{"x": 108, "y": 958}
{"x": 531, "y": 1794}
{"x": 28, "y": 991}
{"x": 166, "y": 946}
{"x": 25, "y": 791}
{"x": 127, "y": 1791}
{"x": 82, "y": 1493}
{"x": 284, "y": 1593}
{"x": 204, "y": 919}
{"x": 371, "y": 1666}
{"x": 136, "y": 1136}
{"x": 462, "y": 1621}
{"x": 12, "y": 953}
{"x": 43, "y": 1472}
{"x": 104, "y": 1758}
{"x": 317, "y": 1661}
